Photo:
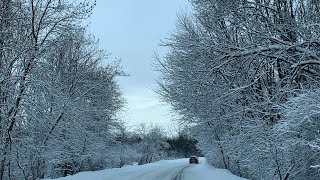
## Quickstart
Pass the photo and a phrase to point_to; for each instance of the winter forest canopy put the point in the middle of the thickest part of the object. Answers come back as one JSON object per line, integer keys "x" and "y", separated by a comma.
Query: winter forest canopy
{"x": 243, "y": 75}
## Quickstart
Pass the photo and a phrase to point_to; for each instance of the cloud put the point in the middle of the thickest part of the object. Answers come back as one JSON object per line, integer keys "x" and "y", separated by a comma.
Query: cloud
{"x": 136, "y": 102}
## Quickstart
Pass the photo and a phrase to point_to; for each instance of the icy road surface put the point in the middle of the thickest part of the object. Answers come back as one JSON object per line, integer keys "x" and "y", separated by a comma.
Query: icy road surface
{"x": 162, "y": 170}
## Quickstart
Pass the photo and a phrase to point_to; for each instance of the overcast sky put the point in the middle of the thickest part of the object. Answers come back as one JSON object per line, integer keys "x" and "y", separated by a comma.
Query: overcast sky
{"x": 131, "y": 30}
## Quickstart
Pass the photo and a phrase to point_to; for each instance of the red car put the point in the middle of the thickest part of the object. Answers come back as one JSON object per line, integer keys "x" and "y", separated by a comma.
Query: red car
{"x": 193, "y": 160}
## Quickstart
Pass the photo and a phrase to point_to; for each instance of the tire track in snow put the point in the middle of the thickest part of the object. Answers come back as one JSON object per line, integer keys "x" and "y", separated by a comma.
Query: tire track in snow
{"x": 179, "y": 175}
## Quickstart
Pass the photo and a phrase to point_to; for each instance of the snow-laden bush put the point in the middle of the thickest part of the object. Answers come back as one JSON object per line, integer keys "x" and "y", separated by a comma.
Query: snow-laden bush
{"x": 300, "y": 132}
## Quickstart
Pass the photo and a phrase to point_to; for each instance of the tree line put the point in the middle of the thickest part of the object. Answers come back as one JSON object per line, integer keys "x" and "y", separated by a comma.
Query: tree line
{"x": 58, "y": 104}
{"x": 243, "y": 76}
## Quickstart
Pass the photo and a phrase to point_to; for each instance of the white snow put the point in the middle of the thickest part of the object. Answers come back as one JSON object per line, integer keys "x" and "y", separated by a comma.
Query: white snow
{"x": 161, "y": 170}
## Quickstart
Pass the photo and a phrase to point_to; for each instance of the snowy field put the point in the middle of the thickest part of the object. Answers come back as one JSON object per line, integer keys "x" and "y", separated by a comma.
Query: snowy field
{"x": 162, "y": 170}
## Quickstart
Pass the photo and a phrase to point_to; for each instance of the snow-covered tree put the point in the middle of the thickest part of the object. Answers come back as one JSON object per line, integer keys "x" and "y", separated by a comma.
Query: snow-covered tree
{"x": 229, "y": 67}
{"x": 299, "y": 130}
{"x": 58, "y": 104}
{"x": 152, "y": 145}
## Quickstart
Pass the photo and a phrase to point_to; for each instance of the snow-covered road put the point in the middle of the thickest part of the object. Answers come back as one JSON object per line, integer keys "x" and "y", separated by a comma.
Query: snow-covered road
{"x": 163, "y": 170}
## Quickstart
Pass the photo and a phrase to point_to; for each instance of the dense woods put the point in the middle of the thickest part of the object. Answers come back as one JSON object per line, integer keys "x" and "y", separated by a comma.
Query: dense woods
{"x": 57, "y": 103}
{"x": 244, "y": 76}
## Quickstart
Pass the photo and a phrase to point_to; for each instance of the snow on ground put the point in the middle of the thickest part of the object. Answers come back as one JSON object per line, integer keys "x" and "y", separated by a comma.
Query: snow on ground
{"x": 162, "y": 170}
{"x": 204, "y": 171}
